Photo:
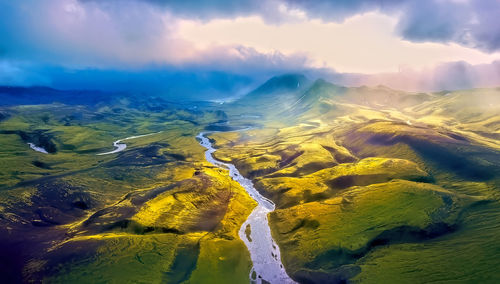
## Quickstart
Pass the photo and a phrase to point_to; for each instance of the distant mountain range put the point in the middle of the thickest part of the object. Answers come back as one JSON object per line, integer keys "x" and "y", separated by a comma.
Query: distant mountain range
{"x": 288, "y": 89}
{"x": 45, "y": 95}
{"x": 295, "y": 94}
{"x": 38, "y": 95}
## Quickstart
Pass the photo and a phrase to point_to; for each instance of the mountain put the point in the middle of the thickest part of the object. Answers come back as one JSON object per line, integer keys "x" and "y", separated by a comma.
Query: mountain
{"x": 281, "y": 84}
{"x": 293, "y": 95}
{"x": 283, "y": 87}
{"x": 13, "y": 96}
{"x": 367, "y": 177}
{"x": 369, "y": 184}
{"x": 313, "y": 98}
{"x": 45, "y": 95}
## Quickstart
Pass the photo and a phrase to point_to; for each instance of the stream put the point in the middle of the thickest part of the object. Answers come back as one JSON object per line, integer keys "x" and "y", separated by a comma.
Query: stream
{"x": 264, "y": 252}
{"x": 119, "y": 146}
{"x": 38, "y": 148}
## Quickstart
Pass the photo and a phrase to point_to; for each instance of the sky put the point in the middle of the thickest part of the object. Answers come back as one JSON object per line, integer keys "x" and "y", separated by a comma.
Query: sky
{"x": 225, "y": 47}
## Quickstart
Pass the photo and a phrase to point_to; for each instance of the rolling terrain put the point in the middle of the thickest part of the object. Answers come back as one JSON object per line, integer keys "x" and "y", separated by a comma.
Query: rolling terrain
{"x": 370, "y": 185}
{"x": 373, "y": 184}
{"x": 155, "y": 212}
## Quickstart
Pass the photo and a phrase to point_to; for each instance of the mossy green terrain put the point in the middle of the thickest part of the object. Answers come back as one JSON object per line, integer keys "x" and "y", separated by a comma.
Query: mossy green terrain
{"x": 376, "y": 185}
{"x": 370, "y": 184}
{"x": 157, "y": 212}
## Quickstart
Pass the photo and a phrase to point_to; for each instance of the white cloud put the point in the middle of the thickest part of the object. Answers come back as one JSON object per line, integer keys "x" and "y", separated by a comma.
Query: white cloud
{"x": 364, "y": 43}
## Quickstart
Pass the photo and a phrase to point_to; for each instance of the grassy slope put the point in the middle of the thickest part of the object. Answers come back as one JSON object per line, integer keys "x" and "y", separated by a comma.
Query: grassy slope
{"x": 356, "y": 218}
{"x": 372, "y": 185}
{"x": 187, "y": 233}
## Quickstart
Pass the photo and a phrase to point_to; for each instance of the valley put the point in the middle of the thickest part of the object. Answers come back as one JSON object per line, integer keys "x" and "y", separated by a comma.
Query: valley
{"x": 366, "y": 184}
{"x": 255, "y": 231}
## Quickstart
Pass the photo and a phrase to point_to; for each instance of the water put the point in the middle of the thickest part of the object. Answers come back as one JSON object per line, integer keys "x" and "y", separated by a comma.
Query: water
{"x": 264, "y": 252}
{"x": 38, "y": 149}
{"x": 122, "y": 146}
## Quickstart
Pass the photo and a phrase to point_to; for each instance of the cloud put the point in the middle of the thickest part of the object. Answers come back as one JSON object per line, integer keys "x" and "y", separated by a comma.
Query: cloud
{"x": 224, "y": 73}
{"x": 446, "y": 76}
{"x": 109, "y": 34}
{"x": 361, "y": 44}
{"x": 201, "y": 9}
{"x": 50, "y": 42}
{"x": 273, "y": 11}
{"x": 471, "y": 23}
{"x": 337, "y": 11}
{"x": 134, "y": 33}
{"x": 125, "y": 46}
{"x": 91, "y": 34}
{"x": 21, "y": 74}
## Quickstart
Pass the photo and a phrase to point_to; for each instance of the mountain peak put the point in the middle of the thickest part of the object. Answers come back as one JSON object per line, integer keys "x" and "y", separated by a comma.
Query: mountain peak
{"x": 321, "y": 86}
{"x": 282, "y": 83}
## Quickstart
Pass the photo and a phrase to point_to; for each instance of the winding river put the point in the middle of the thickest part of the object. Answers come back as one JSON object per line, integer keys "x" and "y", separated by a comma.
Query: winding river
{"x": 255, "y": 231}
{"x": 119, "y": 146}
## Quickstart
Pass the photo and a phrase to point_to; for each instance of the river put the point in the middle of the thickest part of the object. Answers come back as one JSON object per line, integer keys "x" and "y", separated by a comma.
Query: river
{"x": 119, "y": 146}
{"x": 38, "y": 148}
{"x": 264, "y": 251}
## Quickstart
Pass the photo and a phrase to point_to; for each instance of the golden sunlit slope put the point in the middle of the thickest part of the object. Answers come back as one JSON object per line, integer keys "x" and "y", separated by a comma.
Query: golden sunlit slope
{"x": 155, "y": 212}
{"x": 362, "y": 175}
{"x": 370, "y": 184}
